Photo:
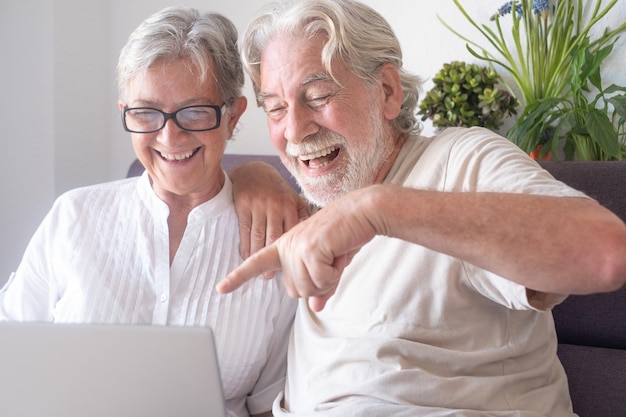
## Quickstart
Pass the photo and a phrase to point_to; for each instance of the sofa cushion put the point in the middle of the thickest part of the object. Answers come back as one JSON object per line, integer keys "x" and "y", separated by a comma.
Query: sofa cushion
{"x": 229, "y": 161}
{"x": 597, "y": 379}
{"x": 598, "y": 319}
{"x": 594, "y": 320}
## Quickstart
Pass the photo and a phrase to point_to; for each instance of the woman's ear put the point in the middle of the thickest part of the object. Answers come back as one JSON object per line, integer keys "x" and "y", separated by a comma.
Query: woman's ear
{"x": 235, "y": 110}
{"x": 389, "y": 78}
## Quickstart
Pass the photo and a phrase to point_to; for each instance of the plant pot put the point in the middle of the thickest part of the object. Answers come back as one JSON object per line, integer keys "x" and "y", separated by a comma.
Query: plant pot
{"x": 536, "y": 154}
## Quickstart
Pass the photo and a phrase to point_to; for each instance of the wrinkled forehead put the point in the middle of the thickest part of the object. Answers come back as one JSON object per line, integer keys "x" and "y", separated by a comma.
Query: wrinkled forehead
{"x": 294, "y": 60}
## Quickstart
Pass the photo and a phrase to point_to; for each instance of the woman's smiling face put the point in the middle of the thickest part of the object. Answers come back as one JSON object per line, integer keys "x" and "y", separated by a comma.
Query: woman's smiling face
{"x": 181, "y": 163}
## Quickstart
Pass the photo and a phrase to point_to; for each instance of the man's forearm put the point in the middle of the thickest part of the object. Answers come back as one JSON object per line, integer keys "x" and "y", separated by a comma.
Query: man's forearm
{"x": 549, "y": 244}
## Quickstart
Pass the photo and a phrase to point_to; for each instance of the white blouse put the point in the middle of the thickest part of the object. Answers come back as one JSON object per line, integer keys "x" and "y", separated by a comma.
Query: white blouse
{"x": 101, "y": 255}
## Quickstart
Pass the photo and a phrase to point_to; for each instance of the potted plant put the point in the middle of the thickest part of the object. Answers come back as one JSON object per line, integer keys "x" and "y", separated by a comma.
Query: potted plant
{"x": 589, "y": 122}
{"x": 467, "y": 95}
{"x": 555, "y": 63}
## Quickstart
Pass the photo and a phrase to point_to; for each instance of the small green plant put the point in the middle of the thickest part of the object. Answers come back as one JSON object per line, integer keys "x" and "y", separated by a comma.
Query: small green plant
{"x": 467, "y": 95}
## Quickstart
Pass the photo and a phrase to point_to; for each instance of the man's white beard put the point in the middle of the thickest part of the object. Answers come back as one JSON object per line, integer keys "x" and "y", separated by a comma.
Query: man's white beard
{"x": 360, "y": 167}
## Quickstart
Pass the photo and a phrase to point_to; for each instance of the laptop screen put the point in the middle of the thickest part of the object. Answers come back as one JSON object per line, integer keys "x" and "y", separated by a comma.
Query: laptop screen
{"x": 76, "y": 370}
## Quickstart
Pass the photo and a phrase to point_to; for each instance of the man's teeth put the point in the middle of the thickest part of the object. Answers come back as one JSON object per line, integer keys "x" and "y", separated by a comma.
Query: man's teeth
{"x": 177, "y": 156}
{"x": 318, "y": 154}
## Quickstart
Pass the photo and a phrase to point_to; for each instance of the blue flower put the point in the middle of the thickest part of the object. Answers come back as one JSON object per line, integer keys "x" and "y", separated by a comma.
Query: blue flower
{"x": 507, "y": 7}
{"x": 540, "y": 6}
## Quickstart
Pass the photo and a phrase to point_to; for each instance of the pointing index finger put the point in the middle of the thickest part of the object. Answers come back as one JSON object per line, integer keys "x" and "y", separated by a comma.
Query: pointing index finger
{"x": 265, "y": 260}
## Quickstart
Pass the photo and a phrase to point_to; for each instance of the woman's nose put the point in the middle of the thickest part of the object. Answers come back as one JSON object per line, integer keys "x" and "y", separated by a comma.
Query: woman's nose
{"x": 170, "y": 132}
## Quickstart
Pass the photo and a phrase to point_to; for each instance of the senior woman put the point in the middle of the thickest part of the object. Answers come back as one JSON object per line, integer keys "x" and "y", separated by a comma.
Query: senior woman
{"x": 149, "y": 250}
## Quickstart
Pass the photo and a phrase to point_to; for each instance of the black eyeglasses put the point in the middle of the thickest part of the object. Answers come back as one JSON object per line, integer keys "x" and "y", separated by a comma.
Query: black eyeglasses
{"x": 191, "y": 118}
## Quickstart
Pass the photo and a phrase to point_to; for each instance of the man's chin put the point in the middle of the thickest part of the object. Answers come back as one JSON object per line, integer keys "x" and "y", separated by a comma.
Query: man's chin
{"x": 322, "y": 193}
{"x": 316, "y": 201}
{"x": 317, "y": 195}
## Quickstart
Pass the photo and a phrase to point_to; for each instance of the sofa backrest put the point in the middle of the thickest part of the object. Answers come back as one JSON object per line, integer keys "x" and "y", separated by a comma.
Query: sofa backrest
{"x": 604, "y": 181}
{"x": 592, "y": 328}
{"x": 229, "y": 161}
{"x": 598, "y": 319}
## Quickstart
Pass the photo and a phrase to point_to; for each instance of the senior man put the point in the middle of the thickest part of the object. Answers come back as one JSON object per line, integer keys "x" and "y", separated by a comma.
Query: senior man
{"x": 427, "y": 277}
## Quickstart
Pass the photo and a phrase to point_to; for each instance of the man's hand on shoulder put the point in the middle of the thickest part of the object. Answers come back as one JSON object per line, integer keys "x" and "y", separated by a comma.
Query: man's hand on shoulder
{"x": 267, "y": 205}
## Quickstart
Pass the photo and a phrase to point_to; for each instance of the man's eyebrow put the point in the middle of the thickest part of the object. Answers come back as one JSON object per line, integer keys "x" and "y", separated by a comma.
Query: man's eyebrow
{"x": 262, "y": 96}
{"x": 320, "y": 76}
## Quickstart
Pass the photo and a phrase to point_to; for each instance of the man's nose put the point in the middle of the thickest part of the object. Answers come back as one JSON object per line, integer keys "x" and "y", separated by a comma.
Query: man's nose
{"x": 300, "y": 123}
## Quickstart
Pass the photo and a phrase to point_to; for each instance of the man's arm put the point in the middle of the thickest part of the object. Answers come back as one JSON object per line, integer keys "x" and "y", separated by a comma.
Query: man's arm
{"x": 560, "y": 245}
{"x": 267, "y": 205}
{"x": 549, "y": 244}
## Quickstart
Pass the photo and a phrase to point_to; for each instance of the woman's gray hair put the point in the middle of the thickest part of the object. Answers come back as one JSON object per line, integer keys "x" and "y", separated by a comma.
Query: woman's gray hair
{"x": 357, "y": 36}
{"x": 181, "y": 32}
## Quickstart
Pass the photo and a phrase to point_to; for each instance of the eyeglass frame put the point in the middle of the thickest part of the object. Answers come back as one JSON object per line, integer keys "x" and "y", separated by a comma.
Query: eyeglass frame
{"x": 173, "y": 115}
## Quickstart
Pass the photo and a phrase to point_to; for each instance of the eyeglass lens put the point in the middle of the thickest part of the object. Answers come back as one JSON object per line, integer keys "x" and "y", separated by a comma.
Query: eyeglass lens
{"x": 194, "y": 118}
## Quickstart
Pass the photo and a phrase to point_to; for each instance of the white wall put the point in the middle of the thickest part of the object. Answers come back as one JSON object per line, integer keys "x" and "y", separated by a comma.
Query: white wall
{"x": 27, "y": 124}
{"x": 59, "y": 116}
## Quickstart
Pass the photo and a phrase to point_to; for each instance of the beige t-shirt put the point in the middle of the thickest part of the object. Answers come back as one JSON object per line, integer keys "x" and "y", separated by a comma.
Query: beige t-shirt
{"x": 415, "y": 332}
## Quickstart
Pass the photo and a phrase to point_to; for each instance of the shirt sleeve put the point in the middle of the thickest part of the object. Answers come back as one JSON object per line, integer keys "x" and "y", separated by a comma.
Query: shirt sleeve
{"x": 28, "y": 295}
{"x": 508, "y": 293}
{"x": 482, "y": 161}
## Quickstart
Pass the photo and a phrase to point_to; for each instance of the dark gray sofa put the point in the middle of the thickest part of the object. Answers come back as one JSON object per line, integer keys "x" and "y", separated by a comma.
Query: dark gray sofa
{"x": 591, "y": 328}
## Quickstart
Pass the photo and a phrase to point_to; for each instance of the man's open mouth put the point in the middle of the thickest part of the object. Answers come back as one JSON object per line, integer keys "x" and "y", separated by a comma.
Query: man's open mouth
{"x": 320, "y": 158}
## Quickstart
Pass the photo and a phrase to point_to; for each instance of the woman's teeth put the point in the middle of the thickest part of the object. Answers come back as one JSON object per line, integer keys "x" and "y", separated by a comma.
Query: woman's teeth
{"x": 177, "y": 156}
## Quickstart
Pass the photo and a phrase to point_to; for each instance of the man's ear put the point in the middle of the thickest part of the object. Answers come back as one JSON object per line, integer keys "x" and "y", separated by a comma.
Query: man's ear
{"x": 389, "y": 78}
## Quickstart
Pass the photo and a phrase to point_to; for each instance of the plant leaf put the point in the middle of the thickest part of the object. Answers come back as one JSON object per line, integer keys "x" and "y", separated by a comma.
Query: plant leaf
{"x": 614, "y": 88}
{"x": 593, "y": 62}
{"x": 603, "y": 132}
{"x": 619, "y": 104}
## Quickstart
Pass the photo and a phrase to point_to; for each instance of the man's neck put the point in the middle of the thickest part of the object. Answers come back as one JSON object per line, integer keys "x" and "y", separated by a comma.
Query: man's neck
{"x": 384, "y": 169}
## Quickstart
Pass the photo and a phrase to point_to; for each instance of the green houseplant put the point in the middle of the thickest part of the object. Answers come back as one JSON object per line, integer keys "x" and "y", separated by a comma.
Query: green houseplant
{"x": 555, "y": 63}
{"x": 467, "y": 95}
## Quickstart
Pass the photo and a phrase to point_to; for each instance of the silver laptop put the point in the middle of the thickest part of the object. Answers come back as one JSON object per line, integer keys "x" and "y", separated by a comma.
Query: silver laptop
{"x": 62, "y": 370}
